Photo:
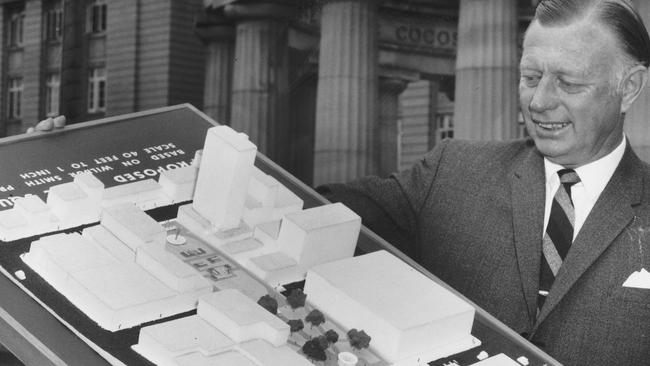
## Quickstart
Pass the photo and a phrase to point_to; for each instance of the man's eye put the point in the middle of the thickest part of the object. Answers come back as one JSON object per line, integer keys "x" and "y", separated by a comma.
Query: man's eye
{"x": 568, "y": 86}
{"x": 530, "y": 80}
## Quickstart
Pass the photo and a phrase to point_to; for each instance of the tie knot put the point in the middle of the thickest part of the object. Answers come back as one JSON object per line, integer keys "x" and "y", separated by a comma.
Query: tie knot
{"x": 568, "y": 176}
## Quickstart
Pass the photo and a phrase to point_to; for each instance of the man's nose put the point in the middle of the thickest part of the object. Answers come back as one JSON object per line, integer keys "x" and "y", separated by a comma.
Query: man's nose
{"x": 544, "y": 97}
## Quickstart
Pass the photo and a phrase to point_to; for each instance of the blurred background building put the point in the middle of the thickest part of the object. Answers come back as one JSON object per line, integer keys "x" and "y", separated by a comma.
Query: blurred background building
{"x": 329, "y": 89}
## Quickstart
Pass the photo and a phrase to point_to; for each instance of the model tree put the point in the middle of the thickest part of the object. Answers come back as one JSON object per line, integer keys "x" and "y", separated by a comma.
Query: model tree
{"x": 315, "y": 348}
{"x": 322, "y": 342}
{"x": 295, "y": 325}
{"x": 315, "y": 317}
{"x": 332, "y": 336}
{"x": 358, "y": 339}
{"x": 296, "y": 298}
{"x": 269, "y": 303}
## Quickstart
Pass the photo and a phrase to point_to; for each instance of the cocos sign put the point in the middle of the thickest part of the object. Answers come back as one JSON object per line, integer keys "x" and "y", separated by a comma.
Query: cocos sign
{"x": 427, "y": 36}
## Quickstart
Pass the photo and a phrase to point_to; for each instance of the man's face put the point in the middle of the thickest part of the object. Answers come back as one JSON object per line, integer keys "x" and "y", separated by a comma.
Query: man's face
{"x": 567, "y": 93}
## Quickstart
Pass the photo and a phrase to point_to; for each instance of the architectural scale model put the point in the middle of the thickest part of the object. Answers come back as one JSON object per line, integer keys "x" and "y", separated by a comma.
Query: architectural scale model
{"x": 128, "y": 269}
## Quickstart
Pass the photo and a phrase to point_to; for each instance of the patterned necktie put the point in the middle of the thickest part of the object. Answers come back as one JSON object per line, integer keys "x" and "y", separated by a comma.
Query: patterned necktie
{"x": 559, "y": 233}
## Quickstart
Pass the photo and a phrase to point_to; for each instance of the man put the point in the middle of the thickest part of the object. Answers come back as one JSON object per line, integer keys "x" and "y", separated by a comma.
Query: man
{"x": 543, "y": 232}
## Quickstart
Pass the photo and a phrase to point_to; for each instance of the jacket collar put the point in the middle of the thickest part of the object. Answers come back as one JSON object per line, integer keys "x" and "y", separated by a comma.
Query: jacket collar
{"x": 528, "y": 195}
{"x": 613, "y": 211}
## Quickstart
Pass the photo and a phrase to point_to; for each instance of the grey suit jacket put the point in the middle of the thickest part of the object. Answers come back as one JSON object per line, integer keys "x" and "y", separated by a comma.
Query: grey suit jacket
{"x": 472, "y": 213}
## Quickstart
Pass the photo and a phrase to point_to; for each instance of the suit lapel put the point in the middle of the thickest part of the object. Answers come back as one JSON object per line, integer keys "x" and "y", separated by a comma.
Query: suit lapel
{"x": 528, "y": 196}
{"x": 610, "y": 215}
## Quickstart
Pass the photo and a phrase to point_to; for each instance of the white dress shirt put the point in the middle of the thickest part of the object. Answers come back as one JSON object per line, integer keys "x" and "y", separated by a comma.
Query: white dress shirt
{"x": 593, "y": 179}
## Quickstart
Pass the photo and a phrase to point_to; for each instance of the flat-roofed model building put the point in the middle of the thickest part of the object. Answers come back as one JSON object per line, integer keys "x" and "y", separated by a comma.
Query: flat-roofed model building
{"x": 228, "y": 329}
{"x": 408, "y": 316}
{"x": 320, "y": 234}
{"x": 222, "y": 184}
{"x": 69, "y": 202}
{"x": 119, "y": 272}
{"x": 241, "y": 319}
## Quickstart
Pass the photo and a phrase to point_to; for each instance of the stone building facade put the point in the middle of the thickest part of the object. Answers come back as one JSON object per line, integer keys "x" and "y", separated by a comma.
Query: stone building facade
{"x": 88, "y": 59}
{"x": 371, "y": 84}
{"x": 329, "y": 89}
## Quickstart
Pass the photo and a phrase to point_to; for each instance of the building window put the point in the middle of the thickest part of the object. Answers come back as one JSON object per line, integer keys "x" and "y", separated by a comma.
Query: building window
{"x": 97, "y": 17}
{"x": 15, "y": 96}
{"x": 97, "y": 90}
{"x": 444, "y": 126}
{"x": 54, "y": 23}
{"x": 15, "y": 29}
{"x": 52, "y": 85}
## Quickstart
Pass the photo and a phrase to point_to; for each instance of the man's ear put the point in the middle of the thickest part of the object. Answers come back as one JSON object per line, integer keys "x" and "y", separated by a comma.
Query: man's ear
{"x": 633, "y": 84}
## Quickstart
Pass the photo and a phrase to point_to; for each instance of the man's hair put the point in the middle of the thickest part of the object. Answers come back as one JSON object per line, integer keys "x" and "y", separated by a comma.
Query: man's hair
{"x": 619, "y": 16}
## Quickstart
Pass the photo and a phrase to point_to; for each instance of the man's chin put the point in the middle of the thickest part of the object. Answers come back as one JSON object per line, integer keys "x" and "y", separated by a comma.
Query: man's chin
{"x": 552, "y": 151}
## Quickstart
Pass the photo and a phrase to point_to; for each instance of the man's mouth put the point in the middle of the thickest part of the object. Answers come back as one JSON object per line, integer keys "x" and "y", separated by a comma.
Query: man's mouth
{"x": 551, "y": 126}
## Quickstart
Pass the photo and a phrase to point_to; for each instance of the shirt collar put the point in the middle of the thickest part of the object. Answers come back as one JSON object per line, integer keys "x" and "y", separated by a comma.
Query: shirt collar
{"x": 593, "y": 176}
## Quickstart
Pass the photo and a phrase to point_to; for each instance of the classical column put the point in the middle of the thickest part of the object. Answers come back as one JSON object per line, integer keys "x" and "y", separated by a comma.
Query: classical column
{"x": 220, "y": 56}
{"x": 347, "y": 92}
{"x": 72, "y": 102}
{"x": 486, "y": 103}
{"x": 388, "y": 148}
{"x": 636, "y": 121}
{"x": 32, "y": 106}
{"x": 122, "y": 56}
{"x": 260, "y": 87}
{"x": 3, "y": 69}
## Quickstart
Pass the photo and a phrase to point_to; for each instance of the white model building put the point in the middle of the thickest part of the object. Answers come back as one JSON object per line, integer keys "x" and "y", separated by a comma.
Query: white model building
{"x": 104, "y": 238}
{"x": 114, "y": 294}
{"x": 36, "y": 211}
{"x": 268, "y": 200}
{"x": 13, "y": 225}
{"x": 132, "y": 225}
{"x": 169, "y": 269}
{"x": 262, "y": 190}
{"x": 124, "y": 295}
{"x": 179, "y": 183}
{"x": 68, "y": 205}
{"x": 276, "y": 269}
{"x": 408, "y": 316}
{"x": 224, "y": 175}
{"x": 119, "y": 272}
{"x": 162, "y": 343}
{"x": 72, "y": 205}
{"x": 92, "y": 186}
{"x": 146, "y": 194}
{"x": 320, "y": 234}
{"x": 54, "y": 257}
{"x": 241, "y": 319}
{"x": 203, "y": 339}
{"x": 267, "y": 233}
